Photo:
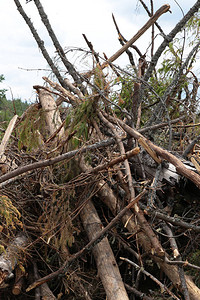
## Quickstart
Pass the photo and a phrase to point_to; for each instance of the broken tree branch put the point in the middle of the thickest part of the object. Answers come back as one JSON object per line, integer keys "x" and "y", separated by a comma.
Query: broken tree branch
{"x": 163, "y": 9}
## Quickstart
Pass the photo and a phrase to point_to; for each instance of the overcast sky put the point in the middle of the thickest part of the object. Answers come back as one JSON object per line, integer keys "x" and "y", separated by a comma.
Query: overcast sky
{"x": 20, "y": 58}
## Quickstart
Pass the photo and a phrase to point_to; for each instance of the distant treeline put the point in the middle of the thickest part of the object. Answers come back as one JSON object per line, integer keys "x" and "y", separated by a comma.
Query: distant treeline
{"x": 8, "y": 108}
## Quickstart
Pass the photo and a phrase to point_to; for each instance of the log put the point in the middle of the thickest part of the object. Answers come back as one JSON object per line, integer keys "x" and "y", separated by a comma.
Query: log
{"x": 12, "y": 256}
{"x": 105, "y": 260}
{"x": 52, "y": 115}
{"x": 7, "y": 135}
{"x": 4, "y": 162}
{"x": 19, "y": 281}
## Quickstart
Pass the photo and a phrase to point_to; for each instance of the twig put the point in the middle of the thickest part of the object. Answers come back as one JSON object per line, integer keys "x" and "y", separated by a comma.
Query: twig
{"x": 169, "y": 38}
{"x": 152, "y": 31}
{"x": 162, "y": 286}
{"x": 137, "y": 293}
{"x": 88, "y": 247}
{"x": 51, "y": 161}
{"x": 160, "y": 125}
{"x": 173, "y": 220}
{"x": 176, "y": 254}
{"x": 182, "y": 263}
{"x": 91, "y": 48}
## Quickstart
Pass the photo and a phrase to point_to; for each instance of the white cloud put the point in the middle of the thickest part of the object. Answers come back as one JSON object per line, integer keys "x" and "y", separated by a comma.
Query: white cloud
{"x": 69, "y": 20}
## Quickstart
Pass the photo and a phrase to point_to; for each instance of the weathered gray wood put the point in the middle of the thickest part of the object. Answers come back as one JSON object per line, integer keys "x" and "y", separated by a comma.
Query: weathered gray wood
{"x": 11, "y": 257}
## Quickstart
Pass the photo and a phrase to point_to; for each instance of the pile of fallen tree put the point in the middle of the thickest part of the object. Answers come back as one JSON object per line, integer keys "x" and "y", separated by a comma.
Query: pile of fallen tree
{"x": 92, "y": 205}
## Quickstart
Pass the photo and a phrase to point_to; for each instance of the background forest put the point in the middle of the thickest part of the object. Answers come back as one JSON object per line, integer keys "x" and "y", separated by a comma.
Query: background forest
{"x": 9, "y": 108}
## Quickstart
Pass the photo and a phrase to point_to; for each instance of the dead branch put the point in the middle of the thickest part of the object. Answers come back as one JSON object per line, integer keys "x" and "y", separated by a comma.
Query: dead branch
{"x": 137, "y": 293}
{"x": 182, "y": 263}
{"x": 122, "y": 40}
{"x": 19, "y": 281}
{"x": 157, "y": 126}
{"x": 4, "y": 161}
{"x": 57, "y": 45}
{"x": 169, "y": 219}
{"x": 44, "y": 290}
{"x": 163, "y": 9}
{"x": 150, "y": 14}
{"x": 89, "y": 246}
{"x": 51, "y": 161}
{"x": 74, "y": 100}
{"x": 162, "y": 286}
{"x": 7, "y": 135}
{"x": 40, "y": 43}
{"x": 91, "y": 48}
{"x": 177, "y": 256}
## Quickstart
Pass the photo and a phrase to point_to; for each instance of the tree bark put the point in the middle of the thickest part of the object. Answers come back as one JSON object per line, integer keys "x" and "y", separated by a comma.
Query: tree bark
{"x": 50, "y": 109}
{"x": 105, "y": 260}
